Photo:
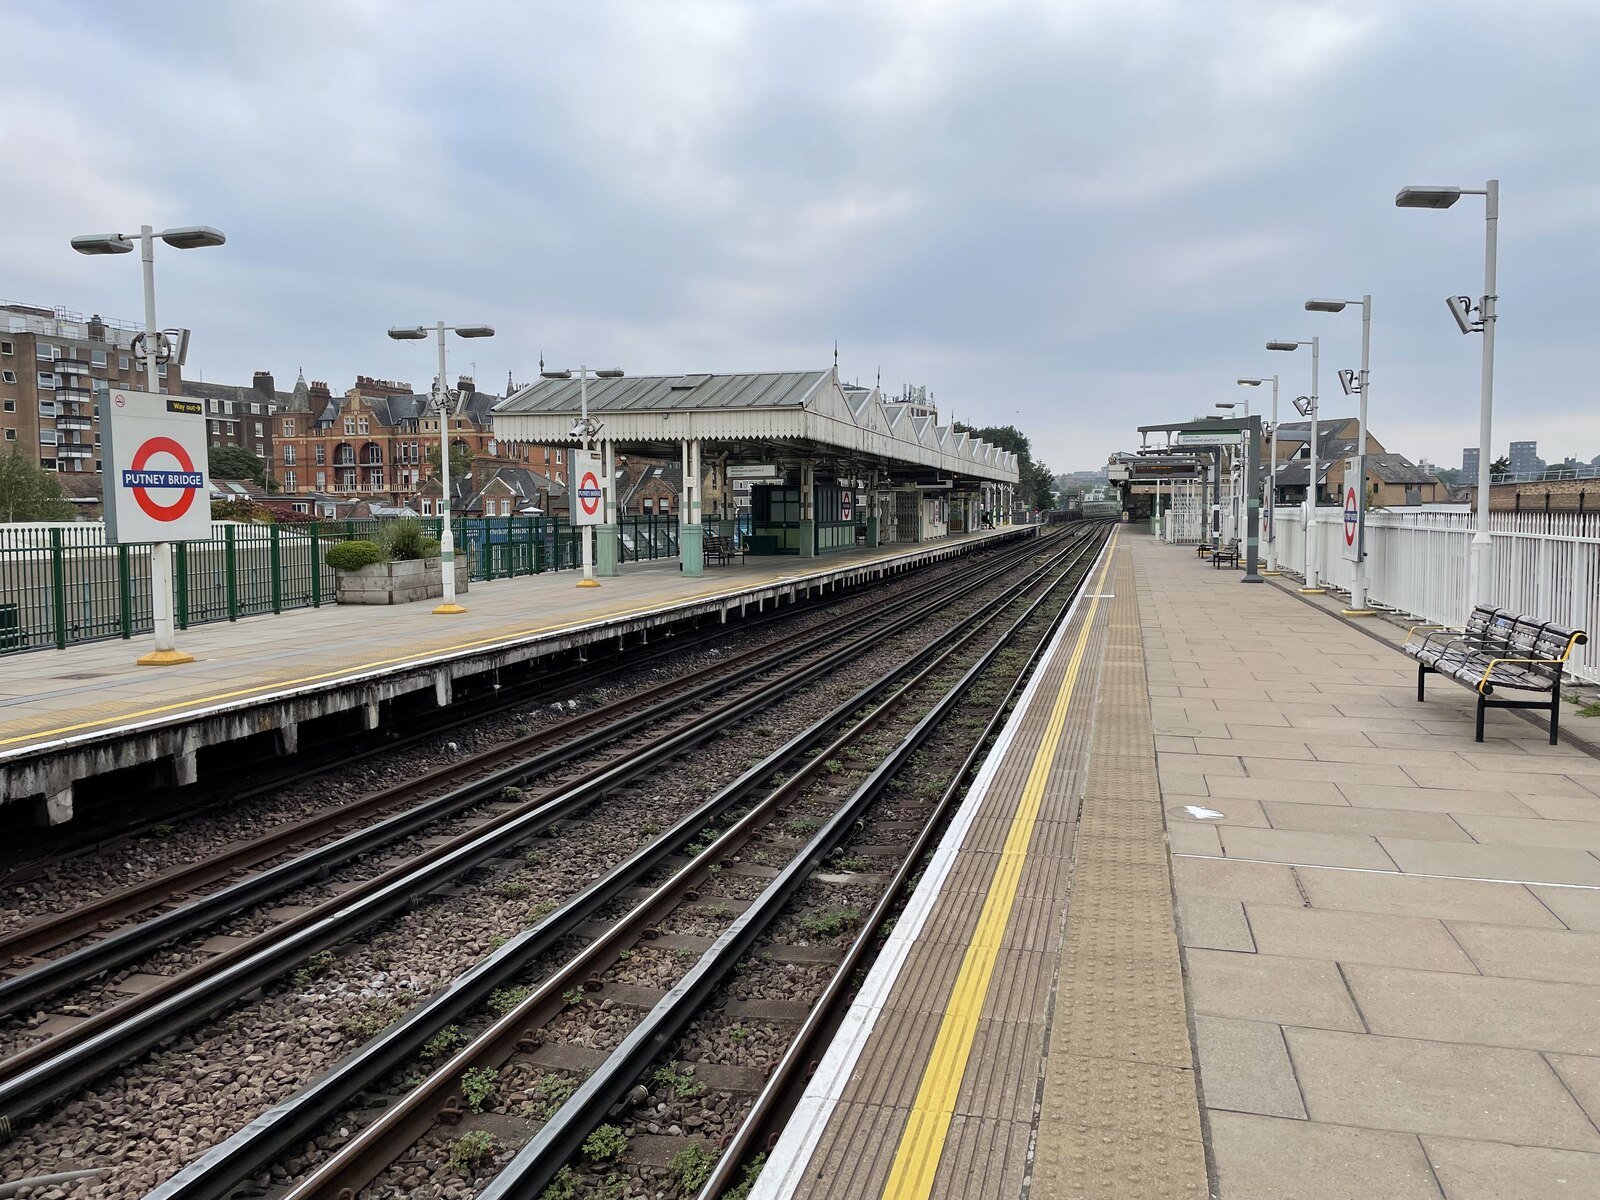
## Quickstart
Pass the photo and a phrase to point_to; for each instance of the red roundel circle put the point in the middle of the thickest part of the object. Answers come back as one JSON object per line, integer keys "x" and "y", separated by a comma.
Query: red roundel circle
{"x": 589, "y": 493}
{"x": 141, "y": 459}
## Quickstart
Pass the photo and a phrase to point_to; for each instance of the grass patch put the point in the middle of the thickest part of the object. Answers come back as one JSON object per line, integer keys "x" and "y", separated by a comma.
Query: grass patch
{"x": 505, "y": 999}
{"x": 550, "y": 1093}
{"x": 800, "y": 826}
{"x": 692, "y": 1167}
{"x": 605, "y": 1144}
{"x": 473, "y": 1150}
{"x": 830, "y": 922}
{"x": 447, "y": 1039}
{"x": 686, "y": 1086}
{"x": 316, "y": 967}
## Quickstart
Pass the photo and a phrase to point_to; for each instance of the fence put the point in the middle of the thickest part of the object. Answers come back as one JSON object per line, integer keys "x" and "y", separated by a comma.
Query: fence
{"x": 61, "y": 583}
{"x": 1545, "y": 564}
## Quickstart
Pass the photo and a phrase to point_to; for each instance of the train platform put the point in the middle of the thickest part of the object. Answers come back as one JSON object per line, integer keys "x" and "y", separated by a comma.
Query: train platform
{"x": 67, "y": 715}
{"x": 1228, "y": 913}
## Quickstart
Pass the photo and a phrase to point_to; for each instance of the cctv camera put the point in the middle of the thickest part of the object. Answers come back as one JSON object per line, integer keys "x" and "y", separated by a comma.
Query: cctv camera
{"x": 1461, "y": 310}
{"x": 1347, "y": 380}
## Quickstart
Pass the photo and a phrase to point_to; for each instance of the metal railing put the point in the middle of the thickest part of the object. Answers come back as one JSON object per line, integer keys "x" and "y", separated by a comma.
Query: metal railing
{"x": 1543, "y": 564}
{"x": 60, "y": 584}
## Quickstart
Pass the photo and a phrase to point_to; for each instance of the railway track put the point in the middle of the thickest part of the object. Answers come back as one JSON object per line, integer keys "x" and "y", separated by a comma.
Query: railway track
{"x": 53, "y": 1069}
{"x": 775, "y": 809}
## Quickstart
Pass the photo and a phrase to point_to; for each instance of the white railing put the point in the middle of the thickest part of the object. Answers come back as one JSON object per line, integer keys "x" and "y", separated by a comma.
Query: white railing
{"x": 1418, "y": 563}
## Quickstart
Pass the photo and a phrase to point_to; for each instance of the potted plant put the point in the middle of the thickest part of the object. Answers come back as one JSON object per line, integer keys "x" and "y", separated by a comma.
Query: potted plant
{"x": 402, "y": 566}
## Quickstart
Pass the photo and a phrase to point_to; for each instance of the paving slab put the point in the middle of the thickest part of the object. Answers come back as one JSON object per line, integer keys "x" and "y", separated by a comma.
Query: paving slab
{"x": 1262, "y": 1158}
{"x": 1291, "y": 846}
{"x": 1563, "y": 956}
{"x": 1357, "y": 937}
{"x": 1482, "y": 1171}
{"x": 1399, "y": 895}
{"x": 1267, "y": 987}
{"x": 1244, "y": 1067}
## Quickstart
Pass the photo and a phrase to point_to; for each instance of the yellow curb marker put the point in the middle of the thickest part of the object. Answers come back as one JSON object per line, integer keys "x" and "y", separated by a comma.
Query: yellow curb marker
{"x": 921, "y": 1145}
{"x": 660, "y": 604}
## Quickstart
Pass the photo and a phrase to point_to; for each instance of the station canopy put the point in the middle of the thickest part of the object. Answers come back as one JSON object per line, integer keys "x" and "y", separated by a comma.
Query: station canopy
{"x": 761, "y": 417}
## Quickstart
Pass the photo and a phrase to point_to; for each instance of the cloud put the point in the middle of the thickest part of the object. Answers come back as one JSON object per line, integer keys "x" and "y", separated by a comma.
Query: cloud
{"x": 1076, "y": 216}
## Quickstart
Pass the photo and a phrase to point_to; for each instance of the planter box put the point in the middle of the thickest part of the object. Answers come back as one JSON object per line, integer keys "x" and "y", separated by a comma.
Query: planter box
{"x": 398, "y": 582}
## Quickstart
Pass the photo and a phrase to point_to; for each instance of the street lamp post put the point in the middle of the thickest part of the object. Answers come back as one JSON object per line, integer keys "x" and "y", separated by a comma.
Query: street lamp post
{"x": 1443, "y": 197}
{"x": 1315, "y": 343}
{"x": 585, "y": 429}
{"x": 1236, "y": 473}
{"x": 1358, "y": 585}
{"x": 1272, "y": 473}
{"x": 445, "y": 402}
{"x": 186, "y": 237}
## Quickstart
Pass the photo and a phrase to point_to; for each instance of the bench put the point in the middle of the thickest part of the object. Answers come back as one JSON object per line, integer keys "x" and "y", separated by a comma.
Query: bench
{"x": 722, "y": 550}
{"x": 1226, "y": 554}
{"x": 1498, "y": 649}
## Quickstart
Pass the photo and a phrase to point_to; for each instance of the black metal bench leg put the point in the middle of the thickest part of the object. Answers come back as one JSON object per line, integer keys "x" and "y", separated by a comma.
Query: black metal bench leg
{"x": 1480, "y": 717}
{"x": 1555, "y": 711}
{"x": 1422, "y": 672}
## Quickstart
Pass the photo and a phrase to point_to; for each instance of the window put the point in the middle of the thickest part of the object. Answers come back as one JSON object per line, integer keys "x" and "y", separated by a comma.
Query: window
{"x": 7, "y": 348}
{"x": 122, "y": 362}
{"x": 216, "y": 427}
{"x": 101, "y": 386}
{"x": 47, "y": 408}
{"x": 261, "y": 449}
{"x": 97, "y": 358}
{"x": 11, "y": 435}
{"x": 322, "y": 455}
{"x": 322, "y": 480}
{"x": 47, "y": 352}
{"x": 649, "y": 505}
{"x": 49, "y": 464}
{"x": 361, "y": 425}
{"x": 288, "y": 456}
{"x": 427, "y": 504}
{"x": 561, "y": 456}
{"x": 47, "y": 437}
{"x": 47, "y": 381}
{"x": 505, "y": 508}
{"x": 290, "y": 481}
{"x": 215, "y": 406}
{"x": 349, "y": 424}
{"x": 97, "y": 467}
{"x": 288, "y": 427}
{"x": 11, "y": 405}
{"x": 8, "y": 376}
{"x": 161, "y": 370}
{"x": 259, "y": 429}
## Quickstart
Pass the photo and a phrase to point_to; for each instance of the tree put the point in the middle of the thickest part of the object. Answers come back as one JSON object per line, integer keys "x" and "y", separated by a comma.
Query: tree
{"x": 1500, "y": 466}
{"x": 30, "y": 493}
{"x": 460, "y": 460}
{"x": 235, "y": 462}
{"x": 1035, "y": 482}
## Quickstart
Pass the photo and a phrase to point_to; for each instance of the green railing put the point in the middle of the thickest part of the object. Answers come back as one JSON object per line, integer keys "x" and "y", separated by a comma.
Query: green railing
{"x": 61, "y": 584}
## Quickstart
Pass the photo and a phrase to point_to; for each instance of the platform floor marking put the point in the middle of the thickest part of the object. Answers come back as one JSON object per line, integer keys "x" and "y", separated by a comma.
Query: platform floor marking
{"x": 1273, "y": 862}
{"x": 916, "y": 1162}
{"x": 419, "y": 660}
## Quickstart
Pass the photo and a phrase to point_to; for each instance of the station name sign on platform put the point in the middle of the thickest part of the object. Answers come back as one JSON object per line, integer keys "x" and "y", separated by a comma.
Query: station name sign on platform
{"x": 753, "y": 471}
{"x": 588, "y": 497}
{"x": 154, "y": 485}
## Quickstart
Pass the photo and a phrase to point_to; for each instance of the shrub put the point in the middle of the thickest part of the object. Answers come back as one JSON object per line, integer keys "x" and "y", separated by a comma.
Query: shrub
{"x": 473, "y": 1150}
{"x": 686, "y": 1086}
{"x": 605, "y": 1144}
{"x": 404, "y": 540}
{"x": 692, "y": 1165}
{"x": 352, "y": 556}
{"x": 478, "y": 1086}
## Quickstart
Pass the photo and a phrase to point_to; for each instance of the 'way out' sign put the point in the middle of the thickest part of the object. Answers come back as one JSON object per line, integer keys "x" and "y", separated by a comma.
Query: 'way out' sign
{"x": 154, "y": 481}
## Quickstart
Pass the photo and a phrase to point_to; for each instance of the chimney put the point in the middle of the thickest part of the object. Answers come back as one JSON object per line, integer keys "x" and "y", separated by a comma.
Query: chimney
{"x": 262, "y": 382}
{"x": 465, "y": 384}
{"x": 97, "y": 329}
{"x": 319, "y": 390}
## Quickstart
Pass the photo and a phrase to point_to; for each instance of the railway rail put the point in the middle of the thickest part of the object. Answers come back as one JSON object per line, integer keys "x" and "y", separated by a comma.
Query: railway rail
{"x": 53, "y": 1069}
{"x": 753, "y": 804}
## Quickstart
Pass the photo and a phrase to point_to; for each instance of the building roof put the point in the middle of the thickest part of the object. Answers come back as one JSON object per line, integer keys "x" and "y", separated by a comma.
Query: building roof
{"x": 1397, "y": 468}
{"x": 755, "y": 417}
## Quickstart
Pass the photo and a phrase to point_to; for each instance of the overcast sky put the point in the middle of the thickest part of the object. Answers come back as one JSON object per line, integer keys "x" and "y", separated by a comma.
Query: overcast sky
{"x": 1074, "y": 216}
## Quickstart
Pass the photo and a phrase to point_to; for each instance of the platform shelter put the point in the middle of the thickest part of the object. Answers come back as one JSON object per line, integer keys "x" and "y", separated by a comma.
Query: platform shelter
{"x": 827, "y": 462}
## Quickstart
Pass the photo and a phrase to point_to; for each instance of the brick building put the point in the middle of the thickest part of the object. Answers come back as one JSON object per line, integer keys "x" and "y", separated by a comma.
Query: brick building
{"x": 55, "y": 368}
{"x": 373, "y": 441}
{"x": 241, "y": 416}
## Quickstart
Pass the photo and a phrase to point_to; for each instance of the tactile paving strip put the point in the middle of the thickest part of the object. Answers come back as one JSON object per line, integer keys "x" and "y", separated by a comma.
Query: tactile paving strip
{"x": 1119, "y": 1109}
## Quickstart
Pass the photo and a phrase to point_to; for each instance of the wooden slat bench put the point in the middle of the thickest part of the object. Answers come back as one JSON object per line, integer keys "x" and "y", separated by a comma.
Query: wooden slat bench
{"x": 722, "y": 550}
{"x": 1498, "y": 649}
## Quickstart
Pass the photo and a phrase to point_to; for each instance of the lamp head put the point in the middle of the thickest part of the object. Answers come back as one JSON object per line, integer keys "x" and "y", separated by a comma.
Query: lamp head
{"x": 404, "y": 333}
{"x": 555, "y": 374}
{"x": 103, "y": 243}
{"x": 1426, "y": 197}
{"x": 1228, "y": 404}
{"x": 192, "y": 237}
{"x": 1249, "y": 382}
{"x": 1325, "y": 305}
{"x": 609, "y": 373}
{"x": 474, "y": 331}
{"x": 1283, "y": 345}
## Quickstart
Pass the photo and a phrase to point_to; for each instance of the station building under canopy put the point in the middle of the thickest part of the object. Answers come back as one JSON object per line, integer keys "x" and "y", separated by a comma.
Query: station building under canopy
{"x": 818, "y": 454}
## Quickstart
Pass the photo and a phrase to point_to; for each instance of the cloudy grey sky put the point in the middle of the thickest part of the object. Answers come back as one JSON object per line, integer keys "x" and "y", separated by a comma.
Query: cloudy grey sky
{"x": 1074, "y": 215}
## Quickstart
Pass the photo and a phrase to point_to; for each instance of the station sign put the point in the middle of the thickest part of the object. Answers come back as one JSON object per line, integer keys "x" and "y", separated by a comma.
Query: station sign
{"x": 588, "y": 495}
{"x": 754, "y": 471}
{"x": 1355, "y": 509}
{"x": 1208, "y": 437}
{"x": 154, "y": 486}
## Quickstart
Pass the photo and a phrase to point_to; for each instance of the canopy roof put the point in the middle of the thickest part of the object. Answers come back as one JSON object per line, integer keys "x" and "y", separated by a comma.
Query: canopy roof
{"x": 758, "y": 417}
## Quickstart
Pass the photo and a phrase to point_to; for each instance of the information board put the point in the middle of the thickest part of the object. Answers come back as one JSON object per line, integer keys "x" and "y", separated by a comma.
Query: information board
{"x": 154, "y": 483}
{"x": 588, "y": 497}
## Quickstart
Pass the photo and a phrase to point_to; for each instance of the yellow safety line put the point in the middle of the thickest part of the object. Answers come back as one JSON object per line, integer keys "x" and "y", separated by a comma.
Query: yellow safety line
{"x": 195, "y": 702}
{"x": 921, "y": 1145}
